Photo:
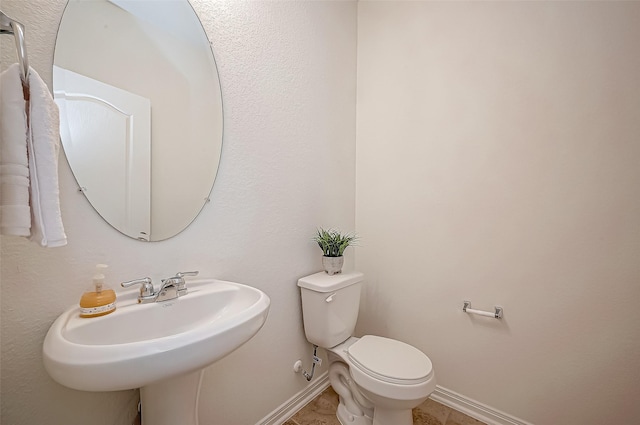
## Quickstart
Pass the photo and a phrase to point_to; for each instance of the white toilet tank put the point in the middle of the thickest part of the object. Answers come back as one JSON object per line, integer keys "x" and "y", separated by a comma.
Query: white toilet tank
{"x": 330, "y": 306}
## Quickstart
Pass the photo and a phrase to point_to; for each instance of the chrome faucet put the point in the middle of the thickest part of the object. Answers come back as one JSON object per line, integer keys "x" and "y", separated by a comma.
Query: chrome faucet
{"x": 172, "y": 288}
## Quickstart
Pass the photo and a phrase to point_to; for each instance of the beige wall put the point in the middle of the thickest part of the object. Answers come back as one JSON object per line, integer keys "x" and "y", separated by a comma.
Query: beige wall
{"x": 288, "y": 79}
{"x": 497, "y": 161}
{"x": 498, "y": 148}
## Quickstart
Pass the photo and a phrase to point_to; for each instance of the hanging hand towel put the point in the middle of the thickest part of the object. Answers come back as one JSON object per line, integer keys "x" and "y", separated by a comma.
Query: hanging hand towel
{"x": 43, "y": 144}
{"x": 15, "y": 215}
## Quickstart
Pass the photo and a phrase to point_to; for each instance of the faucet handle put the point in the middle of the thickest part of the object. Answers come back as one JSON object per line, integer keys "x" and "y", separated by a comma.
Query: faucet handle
{"x": 183, "y": 274}
{"x": 179, "y": 282}
{"x": 146, "y": 288}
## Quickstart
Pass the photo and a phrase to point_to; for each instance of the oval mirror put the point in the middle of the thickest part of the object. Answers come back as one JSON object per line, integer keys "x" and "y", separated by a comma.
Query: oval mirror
{"x": 140, "y": 111}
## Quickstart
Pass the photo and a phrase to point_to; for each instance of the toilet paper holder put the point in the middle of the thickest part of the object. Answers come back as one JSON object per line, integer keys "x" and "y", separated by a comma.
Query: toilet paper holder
{"x": 497, "y": 314}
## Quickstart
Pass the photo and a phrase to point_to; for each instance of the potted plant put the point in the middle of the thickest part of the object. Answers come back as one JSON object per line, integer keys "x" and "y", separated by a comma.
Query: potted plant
{"x": 333, "y": 243}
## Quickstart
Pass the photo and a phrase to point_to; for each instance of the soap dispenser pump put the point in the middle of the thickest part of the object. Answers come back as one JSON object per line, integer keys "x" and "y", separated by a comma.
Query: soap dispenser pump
{"x": 100, "y": 300}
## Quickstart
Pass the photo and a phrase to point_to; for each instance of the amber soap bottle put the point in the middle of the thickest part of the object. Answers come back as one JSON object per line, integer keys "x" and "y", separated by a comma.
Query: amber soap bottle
{"x": 100, "y": 300}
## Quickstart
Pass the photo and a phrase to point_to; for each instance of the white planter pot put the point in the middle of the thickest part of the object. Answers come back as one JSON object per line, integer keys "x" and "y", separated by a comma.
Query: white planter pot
{"x": 332, "y": 265}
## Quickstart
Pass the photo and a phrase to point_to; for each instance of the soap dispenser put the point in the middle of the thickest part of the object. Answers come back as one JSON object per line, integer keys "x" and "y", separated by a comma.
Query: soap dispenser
{"x": 100, "y": 300}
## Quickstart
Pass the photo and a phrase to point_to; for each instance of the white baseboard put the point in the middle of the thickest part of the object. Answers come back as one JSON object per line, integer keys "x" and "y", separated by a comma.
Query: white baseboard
{"x": 473, "y": 408}
{"x": 442, "y": 395}
{"x": 297, "y": 402}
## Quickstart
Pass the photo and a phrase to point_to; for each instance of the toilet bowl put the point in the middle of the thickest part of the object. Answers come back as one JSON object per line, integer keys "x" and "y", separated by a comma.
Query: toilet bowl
{"x": 379, "y": 380}
{"x": 388, "y": 379}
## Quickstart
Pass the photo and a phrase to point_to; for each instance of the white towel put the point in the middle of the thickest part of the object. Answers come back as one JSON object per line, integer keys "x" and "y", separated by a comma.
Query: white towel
{"x": 15, "y": 216}
{"x": 43, "y": 145}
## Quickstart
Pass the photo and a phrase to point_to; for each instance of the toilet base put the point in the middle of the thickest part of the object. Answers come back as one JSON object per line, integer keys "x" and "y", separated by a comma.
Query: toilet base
{"x": 347, "y": 418}
{"x": 380, "y": 417}
{"x": 392, "y": 417}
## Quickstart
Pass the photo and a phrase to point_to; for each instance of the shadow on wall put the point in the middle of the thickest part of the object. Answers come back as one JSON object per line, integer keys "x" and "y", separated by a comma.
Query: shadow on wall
{"x": 375, "y": 309}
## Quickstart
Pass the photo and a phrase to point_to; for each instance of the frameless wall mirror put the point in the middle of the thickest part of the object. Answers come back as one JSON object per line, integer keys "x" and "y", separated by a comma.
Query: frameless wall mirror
{"x": 140, "y": 111}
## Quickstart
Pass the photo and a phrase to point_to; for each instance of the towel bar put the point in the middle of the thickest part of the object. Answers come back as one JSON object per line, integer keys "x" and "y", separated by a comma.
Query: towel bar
{"x": 497, "y": 314}
{"x": 11, "y": 26}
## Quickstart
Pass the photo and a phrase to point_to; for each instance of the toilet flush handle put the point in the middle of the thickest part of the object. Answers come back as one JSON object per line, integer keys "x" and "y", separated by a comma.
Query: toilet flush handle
{"x": 330, "y": 298}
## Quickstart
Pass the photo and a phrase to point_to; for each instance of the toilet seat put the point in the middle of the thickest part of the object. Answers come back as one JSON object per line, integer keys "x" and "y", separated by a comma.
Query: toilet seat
{"x": 389, "y": 360}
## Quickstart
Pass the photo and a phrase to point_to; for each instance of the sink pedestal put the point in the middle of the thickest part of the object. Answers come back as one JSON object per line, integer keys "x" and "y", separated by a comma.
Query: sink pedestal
{"x": 171, "y": 401}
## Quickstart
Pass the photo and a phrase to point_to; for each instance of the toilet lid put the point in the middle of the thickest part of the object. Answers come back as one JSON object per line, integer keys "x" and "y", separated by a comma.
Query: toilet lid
{"x": 390, "y": 360}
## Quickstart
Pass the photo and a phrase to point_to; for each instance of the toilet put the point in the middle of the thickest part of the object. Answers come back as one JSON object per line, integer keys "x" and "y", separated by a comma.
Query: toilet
{"x": 379, "y": 380}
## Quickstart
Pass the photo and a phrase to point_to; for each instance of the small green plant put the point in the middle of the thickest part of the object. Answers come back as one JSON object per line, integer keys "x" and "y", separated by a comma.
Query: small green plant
{"x": 332, "y": 242}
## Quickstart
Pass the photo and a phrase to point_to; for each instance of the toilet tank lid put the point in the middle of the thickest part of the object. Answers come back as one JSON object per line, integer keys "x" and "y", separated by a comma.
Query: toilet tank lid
{"x": 322, "y": 282}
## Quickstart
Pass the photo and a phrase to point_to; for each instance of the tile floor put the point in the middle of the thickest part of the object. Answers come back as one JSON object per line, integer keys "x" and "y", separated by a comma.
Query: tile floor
{"x": 322, "y": 411}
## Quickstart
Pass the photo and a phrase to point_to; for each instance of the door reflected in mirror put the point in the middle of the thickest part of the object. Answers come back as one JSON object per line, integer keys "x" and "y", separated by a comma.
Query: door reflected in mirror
{"x": 140, "y": 111}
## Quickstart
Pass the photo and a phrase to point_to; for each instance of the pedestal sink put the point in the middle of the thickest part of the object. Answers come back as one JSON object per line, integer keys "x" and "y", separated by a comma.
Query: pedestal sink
{"x": 160, "y": 348}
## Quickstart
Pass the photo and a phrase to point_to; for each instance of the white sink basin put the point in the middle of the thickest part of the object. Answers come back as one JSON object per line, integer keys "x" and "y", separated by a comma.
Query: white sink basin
{"x": 141, "y": 344}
